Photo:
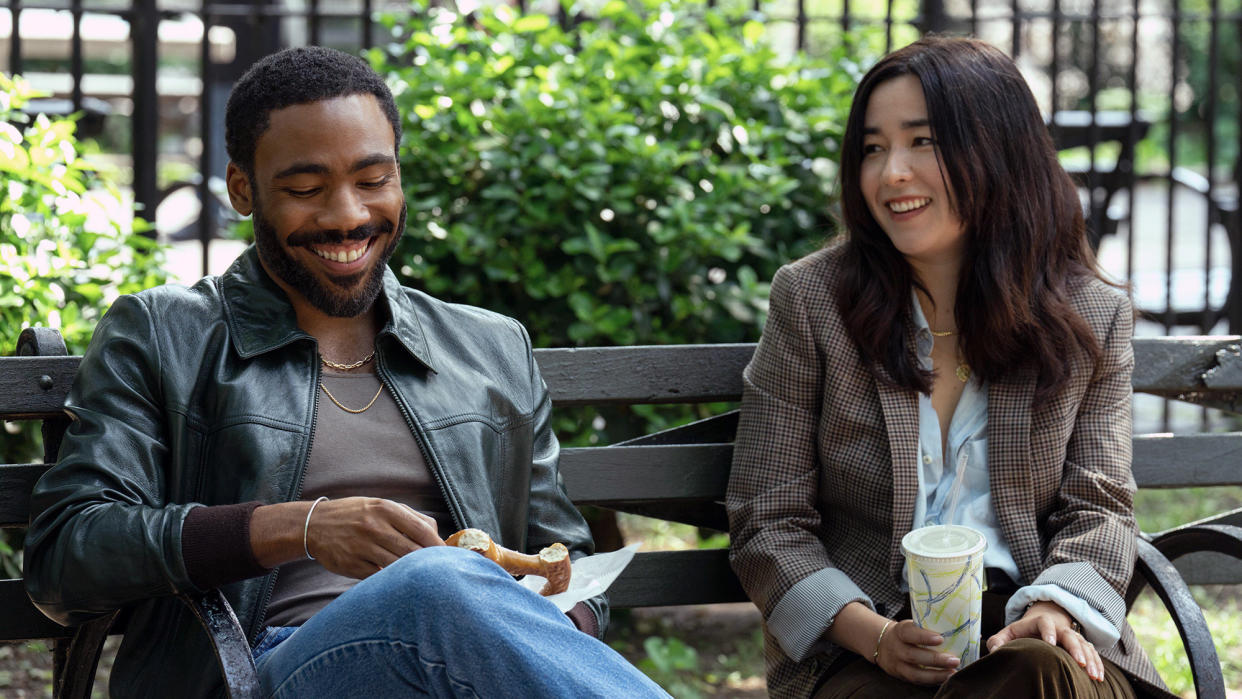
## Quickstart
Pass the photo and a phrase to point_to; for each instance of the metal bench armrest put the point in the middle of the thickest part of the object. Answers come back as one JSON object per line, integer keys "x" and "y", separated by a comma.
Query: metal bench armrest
{"x": 1154, "y": 569}
{"x": 78, "y": 656}
{"x": 229, "y": 641}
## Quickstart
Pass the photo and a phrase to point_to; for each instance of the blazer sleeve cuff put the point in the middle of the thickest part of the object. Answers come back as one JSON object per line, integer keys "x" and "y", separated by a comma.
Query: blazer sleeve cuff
{"x": 808, "y": 609}
{"x": 1081, "y": 592}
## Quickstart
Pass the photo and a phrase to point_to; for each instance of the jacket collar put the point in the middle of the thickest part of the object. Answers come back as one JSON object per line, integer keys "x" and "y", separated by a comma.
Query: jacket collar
{"x": 261, "y": 319}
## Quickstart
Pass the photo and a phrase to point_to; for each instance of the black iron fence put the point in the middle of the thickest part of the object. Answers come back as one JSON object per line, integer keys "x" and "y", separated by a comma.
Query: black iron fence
{"x": 1143, "y": 95}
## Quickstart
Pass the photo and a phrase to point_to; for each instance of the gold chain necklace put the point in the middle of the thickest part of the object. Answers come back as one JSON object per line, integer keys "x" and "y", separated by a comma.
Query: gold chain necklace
{"x": 347, "y": 367}
{"x": 963, "y": 369}
{"x": 363, "y": 409}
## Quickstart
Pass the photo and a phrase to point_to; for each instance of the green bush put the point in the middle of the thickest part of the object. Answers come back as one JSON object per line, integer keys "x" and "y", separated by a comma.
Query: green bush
{"x": 635, "y": 180}
{"x": 69, "y": 245}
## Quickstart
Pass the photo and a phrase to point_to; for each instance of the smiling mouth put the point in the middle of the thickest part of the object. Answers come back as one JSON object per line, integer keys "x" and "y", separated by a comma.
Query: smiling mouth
{"x": 907, "y": 205}
{"x": 346, "y": 253}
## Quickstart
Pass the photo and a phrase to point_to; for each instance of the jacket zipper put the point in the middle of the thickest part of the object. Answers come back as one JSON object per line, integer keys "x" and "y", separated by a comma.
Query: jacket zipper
{"x": 256, "y": 626}
{"x": 455, "y": 510}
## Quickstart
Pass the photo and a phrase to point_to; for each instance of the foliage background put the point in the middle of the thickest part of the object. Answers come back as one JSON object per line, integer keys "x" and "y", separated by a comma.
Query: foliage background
{"x": 635, "y": 180}
{"x": 69, "y": 246}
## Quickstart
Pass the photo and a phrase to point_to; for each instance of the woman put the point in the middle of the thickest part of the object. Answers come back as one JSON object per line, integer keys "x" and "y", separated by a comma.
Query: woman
{"x": 960, "y": 327}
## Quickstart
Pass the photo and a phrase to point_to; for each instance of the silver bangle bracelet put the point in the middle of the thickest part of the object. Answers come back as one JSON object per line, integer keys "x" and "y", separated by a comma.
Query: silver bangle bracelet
{"x": 306, "y": 528}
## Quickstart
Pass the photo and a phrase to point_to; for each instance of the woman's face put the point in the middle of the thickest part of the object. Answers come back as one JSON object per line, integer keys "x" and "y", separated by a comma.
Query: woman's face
{"x": 901, "y": 179}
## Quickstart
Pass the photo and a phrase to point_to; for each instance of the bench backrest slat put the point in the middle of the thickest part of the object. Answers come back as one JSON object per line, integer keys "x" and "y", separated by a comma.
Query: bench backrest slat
{"x": 33, "y": 388}
{"x": 21, "y": 620}
{"x": 657, "y": 374}
{"x": 697, "y": 472}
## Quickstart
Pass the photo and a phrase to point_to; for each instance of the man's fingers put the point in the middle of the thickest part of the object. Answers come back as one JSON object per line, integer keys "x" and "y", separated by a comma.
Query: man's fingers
{"x": 417, "y": 527}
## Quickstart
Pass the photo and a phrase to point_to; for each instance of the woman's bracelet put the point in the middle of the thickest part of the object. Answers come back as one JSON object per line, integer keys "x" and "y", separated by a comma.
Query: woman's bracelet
{"x": 306, "y": 528}
{"x": 875, "y": 657}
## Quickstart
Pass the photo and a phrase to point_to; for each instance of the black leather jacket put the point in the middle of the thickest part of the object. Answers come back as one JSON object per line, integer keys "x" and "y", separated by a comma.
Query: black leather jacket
{"x": 207, "y": 395}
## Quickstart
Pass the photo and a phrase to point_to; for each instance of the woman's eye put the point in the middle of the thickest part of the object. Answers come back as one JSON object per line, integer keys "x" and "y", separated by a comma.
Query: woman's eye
{"x": 869, "y": 148}
{"x": 924, "y": 141}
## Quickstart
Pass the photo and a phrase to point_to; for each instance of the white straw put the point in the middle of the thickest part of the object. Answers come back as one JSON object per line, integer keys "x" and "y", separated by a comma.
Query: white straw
{"x": 956, "y": 491}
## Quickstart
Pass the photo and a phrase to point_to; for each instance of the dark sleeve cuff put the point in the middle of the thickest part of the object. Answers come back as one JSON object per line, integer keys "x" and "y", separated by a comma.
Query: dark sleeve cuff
{"x": 584, "y": 619}
{"x": 215, "y": 543}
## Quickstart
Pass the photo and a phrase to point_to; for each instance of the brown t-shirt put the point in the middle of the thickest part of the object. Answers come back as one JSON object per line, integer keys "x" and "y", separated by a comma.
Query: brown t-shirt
{"x": 370, "y": 454}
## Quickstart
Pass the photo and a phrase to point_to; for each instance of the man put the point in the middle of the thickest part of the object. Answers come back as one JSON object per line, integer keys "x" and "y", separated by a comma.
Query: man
{"x": 302, "y": 423}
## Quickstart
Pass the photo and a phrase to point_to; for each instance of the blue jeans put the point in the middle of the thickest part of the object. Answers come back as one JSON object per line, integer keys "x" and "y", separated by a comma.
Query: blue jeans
{"x": 442, "y": 622}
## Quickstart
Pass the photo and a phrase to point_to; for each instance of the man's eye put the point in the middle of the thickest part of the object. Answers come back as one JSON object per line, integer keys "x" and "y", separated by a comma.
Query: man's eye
{"x": 302, "y": 192}
{"x": 376, "y": 184}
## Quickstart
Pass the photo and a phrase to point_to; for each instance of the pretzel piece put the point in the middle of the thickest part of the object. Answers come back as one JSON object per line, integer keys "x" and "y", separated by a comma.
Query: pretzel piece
{"x": 552, "y": 563}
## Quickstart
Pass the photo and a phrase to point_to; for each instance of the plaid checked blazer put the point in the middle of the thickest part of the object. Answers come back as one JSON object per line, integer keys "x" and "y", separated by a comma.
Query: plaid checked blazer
{"x": 825, "y": 466}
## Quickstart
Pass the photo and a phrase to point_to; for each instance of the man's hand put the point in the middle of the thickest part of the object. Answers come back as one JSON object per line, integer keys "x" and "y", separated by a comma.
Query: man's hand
{"x": 354, "y": 537}
{"x": 1047, "y": 620}
{"x": 906, "y": 651}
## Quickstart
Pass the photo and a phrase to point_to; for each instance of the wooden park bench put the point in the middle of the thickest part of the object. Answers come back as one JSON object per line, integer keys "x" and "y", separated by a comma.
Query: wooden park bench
{"x": 680, "y": 475}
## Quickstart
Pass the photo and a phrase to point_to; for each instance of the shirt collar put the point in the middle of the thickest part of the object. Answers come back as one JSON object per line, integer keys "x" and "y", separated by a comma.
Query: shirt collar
{"x": 261, "y": 318}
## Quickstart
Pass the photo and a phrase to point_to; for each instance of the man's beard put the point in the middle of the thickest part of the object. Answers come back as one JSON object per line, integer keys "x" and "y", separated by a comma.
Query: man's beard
{"x": 334, "y": 298}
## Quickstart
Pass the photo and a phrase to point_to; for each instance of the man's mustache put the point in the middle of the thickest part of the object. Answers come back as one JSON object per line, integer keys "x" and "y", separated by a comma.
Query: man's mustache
{"x": 336, "y": 237}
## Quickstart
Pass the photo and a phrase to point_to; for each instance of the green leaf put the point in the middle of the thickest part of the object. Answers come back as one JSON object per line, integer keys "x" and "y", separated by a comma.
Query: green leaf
{"x": 531, "y": 23}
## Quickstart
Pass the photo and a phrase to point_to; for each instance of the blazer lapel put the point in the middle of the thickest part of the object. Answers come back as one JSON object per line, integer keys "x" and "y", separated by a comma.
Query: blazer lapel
{"x": 901, "y": 420}
{"x": 1009, "y": 467}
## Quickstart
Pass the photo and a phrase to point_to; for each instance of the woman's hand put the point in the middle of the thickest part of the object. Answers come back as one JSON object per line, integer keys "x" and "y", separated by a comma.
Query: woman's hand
{"x": 903, "y": 650}
{"x": 907, "y": 652}
{"x": 1047, "y": 620}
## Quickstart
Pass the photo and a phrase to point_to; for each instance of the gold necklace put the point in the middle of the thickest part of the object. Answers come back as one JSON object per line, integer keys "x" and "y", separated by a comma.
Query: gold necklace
{"x": 963, "y": 369}
{"x": 347, "y": 367}
{"x": 363, "y": 409}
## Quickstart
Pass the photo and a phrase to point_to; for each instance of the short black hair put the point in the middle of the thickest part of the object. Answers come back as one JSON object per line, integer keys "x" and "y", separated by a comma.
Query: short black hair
{"x": 296, "y": 76}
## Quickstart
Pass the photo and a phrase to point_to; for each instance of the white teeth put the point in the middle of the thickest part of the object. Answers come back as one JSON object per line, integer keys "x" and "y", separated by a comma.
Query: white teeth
{"x": 348, "y": 256}
{"x": 908, "y": 205}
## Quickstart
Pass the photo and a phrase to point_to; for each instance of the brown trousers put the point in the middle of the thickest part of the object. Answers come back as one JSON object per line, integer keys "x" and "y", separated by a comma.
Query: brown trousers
{"x": 1027, "y": 667}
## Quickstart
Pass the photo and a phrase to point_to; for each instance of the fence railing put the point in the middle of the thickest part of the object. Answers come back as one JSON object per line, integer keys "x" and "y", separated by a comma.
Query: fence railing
{"x": 1146, "y": 98}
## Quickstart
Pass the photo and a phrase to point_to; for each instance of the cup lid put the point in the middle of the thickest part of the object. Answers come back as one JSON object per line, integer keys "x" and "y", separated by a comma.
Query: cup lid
{"x": 943, "y": 541}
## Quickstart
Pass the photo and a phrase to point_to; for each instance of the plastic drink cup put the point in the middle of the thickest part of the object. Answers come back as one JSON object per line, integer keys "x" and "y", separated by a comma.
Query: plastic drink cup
{"x": 944, "y": 569}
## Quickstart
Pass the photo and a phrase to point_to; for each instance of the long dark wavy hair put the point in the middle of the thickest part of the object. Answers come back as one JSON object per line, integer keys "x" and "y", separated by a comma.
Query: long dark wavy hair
{"x": 1026, "y": 245}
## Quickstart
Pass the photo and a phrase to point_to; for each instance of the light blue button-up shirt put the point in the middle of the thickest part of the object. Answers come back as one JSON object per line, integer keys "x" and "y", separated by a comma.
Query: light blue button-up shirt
{"x": 936, "y": 503}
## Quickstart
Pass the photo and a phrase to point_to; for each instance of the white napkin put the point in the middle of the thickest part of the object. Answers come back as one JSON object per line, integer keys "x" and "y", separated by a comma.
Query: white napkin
{"x": 592, "y": 575}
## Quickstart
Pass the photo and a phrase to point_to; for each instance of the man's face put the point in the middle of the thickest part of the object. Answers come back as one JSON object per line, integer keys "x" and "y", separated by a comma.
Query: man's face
{"x": 326, "y": 201}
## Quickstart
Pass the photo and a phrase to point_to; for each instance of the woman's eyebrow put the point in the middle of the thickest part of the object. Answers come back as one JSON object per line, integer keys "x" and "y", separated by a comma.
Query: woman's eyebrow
{"x": 905, "y": 125}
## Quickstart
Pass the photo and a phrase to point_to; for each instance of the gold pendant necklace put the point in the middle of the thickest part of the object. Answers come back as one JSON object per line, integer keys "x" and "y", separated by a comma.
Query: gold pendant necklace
{"x": 363, "y": 409}
{"x": 347, "y": 367}
{"x": 963, "y": 371}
